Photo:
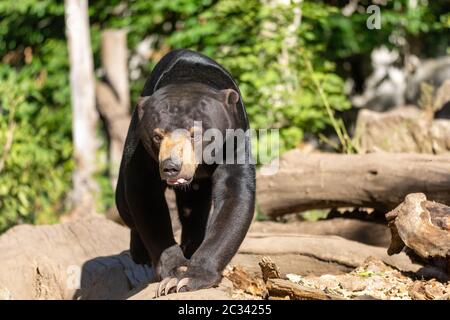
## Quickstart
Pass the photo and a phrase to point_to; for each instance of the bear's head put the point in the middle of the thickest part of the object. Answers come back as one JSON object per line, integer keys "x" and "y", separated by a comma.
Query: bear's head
{"x": 172, "y": 122}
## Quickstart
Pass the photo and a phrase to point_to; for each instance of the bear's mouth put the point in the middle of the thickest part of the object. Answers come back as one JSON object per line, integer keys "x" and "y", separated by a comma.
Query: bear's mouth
{"x": 178, "y": 182}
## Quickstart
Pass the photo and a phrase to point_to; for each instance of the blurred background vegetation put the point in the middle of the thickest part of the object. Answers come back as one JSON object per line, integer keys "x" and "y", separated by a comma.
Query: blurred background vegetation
{"x": 274, "y": 57}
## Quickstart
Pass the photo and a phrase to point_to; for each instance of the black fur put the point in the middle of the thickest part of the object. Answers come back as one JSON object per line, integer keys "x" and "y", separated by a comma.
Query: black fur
{"x": 209, "y": 240}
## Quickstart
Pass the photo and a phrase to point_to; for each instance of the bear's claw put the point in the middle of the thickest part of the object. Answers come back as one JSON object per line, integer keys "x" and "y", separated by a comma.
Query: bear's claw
{"x": 168, "y": 284}
{"x": 162, "y": 287}
{"x": 182, "y": 283}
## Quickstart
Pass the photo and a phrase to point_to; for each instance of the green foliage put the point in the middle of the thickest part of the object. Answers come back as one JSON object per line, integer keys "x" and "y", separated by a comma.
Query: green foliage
{"x": 35, "y": 174}
{"x": 34, "y": 91}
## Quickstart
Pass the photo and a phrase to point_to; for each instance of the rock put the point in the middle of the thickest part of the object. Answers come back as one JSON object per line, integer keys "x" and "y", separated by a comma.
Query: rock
{"x": 350, "y": 283}
{"x": 422, "y": 226}
{"x": 429, "y": 290}
{"x": 440, "y": 136}
{"x": 403, "y": 129}
{"x": 222, "y": 292}
{"x": 323, "y": 248}
{"x": 327, "y": 282}
{"x": 80, "y": 259}
{"x": 370, "y": 233}
{"x": 431, "y": 71}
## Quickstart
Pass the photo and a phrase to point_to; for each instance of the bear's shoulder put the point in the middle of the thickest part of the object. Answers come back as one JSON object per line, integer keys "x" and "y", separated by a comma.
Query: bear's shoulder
{"x": 184, "y": 66}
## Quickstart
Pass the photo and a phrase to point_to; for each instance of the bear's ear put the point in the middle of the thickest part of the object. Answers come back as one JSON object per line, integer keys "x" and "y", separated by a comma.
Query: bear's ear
{"x": 140, "y": 106}
{"x": 231, "y": 97}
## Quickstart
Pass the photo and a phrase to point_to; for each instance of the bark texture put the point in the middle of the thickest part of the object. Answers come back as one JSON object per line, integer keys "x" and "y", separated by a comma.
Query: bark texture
{"x": 84, "y": 113}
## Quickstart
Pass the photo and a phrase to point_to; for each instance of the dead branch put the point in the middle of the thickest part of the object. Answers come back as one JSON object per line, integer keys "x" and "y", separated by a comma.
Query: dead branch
{"x": 286, "y": 288}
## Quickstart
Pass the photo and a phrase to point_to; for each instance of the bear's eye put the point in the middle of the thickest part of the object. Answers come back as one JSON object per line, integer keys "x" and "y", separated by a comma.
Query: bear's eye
{"x": 157, "y": 139}
{"x": 158, "y": 135}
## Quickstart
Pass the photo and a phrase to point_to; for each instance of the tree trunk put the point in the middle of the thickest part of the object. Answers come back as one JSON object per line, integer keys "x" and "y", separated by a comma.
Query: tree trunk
{"x": 114, "y": 54}
{"x": 113, "y": 96}
{"x": 378, "y": 180}
{"x": 84, "y": 114}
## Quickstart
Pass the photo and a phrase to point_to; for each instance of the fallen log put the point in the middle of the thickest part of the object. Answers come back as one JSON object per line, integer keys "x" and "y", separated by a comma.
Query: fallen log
{"x": 423, "y": 226}
{"x": 377, "y": 180}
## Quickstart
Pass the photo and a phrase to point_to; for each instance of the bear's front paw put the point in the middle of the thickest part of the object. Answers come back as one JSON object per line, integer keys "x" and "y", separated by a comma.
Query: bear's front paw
{"x": 172, "y": 263}
{"x": 194, "y": 278}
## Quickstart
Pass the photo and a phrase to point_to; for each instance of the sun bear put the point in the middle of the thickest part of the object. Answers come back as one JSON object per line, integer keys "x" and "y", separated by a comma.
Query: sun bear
{"x": 186, "y": 95}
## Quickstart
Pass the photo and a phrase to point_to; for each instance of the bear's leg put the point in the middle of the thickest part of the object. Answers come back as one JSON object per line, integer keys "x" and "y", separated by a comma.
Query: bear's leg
{"x": 194, "y": 205}
{"x": 234, "y": 202}
{"x": 138, "y": 251}
{"x": 151, "y": 219}
{"x": 153, "y": 226}
{"x": 121, "y": 202}
{"x": 233, "y": 193}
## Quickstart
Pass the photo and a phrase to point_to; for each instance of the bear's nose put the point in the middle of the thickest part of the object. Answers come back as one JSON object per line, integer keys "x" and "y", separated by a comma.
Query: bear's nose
{"x": 171, "y": 168}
